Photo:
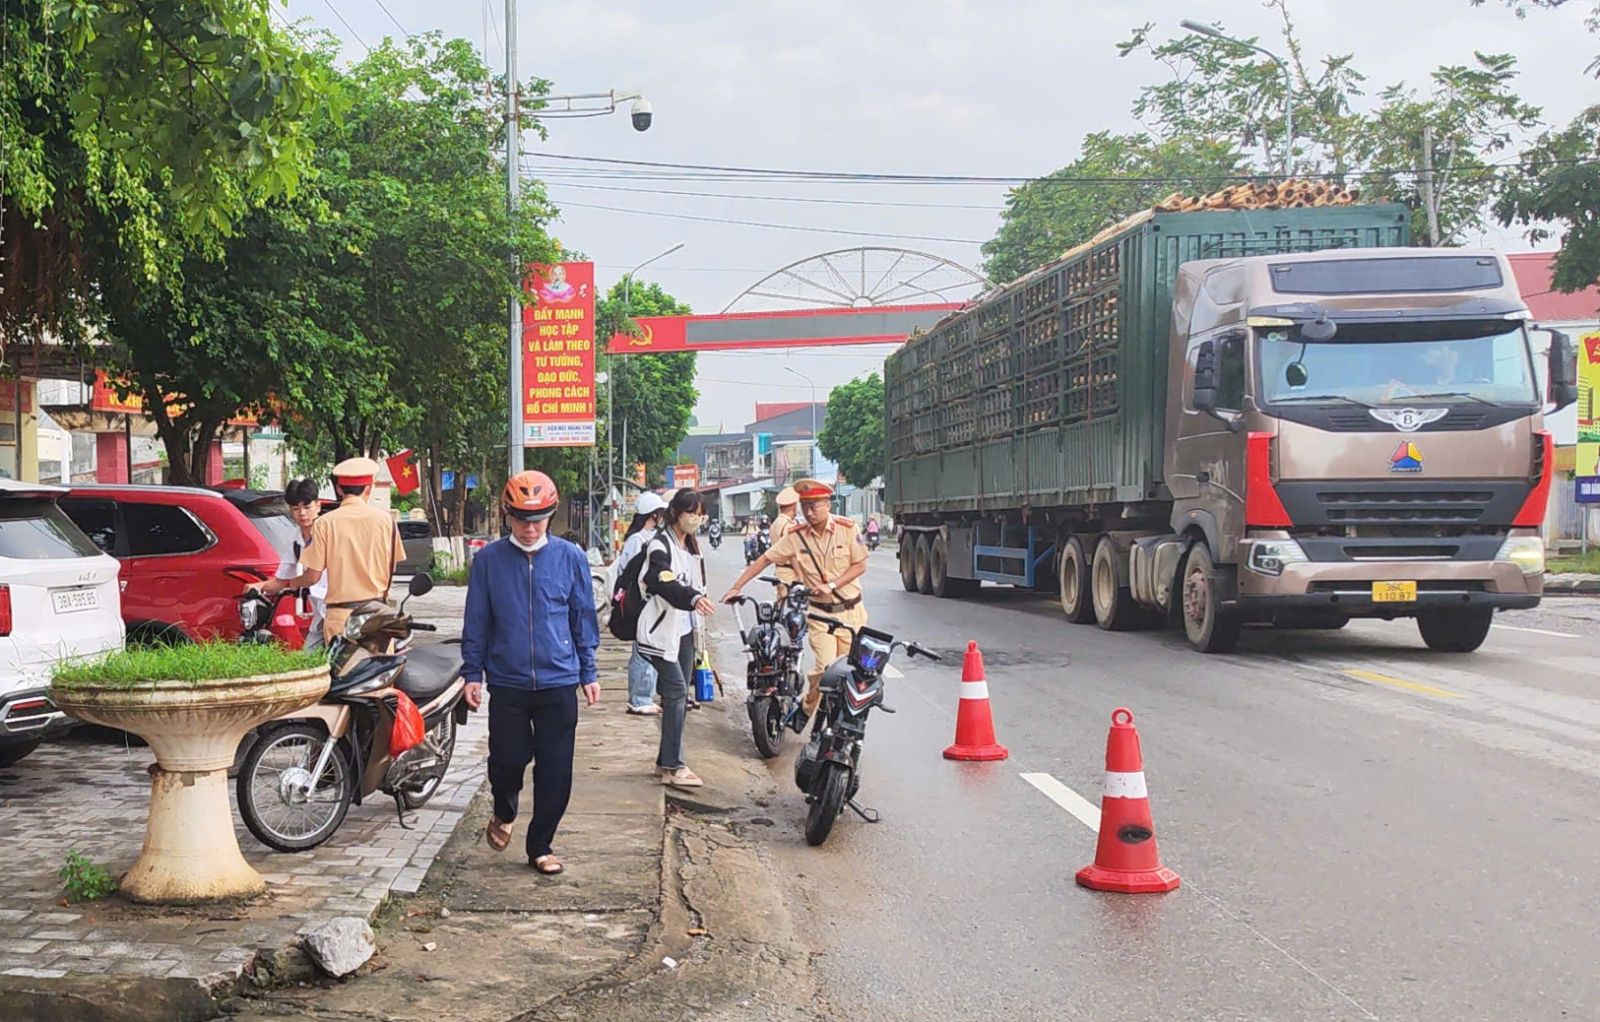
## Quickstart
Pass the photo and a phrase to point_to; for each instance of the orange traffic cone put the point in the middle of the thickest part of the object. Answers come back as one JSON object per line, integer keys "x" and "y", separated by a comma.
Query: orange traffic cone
{"x": 974, "y": 724}
{"x": 1125, "y": 859}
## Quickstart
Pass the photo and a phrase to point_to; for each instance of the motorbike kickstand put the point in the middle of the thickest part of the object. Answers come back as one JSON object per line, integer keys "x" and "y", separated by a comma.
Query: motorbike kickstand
{"x": 870, "y": 815}
{"x": 400, "y": 812}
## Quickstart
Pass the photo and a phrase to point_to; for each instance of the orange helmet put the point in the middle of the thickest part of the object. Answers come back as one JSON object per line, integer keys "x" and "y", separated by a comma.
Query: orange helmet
{"x": 529, "y": 496}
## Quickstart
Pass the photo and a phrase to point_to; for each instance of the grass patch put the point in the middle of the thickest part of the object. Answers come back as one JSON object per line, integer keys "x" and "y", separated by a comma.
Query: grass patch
{"x": 83, "y": 880}
{"x": 193, "y": 662}
{"x": 445, "y": 572}
{"x": 1575, "y": 562}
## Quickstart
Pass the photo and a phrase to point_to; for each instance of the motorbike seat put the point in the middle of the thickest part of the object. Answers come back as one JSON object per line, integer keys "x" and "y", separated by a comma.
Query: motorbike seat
{"x": 429, "y": 671}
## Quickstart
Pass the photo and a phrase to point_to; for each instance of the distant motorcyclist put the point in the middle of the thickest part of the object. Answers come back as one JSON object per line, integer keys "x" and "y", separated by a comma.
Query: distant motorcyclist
{"x": 714, "y": 533}
{"x": 873, "y": 529}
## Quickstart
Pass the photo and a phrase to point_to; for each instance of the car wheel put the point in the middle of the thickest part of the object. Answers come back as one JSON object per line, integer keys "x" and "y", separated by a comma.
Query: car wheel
{"x": 11, "y": 752}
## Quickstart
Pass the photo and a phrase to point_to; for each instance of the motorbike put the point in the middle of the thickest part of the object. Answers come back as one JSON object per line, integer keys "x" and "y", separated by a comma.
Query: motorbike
{"x": 714, "y": 535}
{"x": 873, "y": 540}
{"x": 828, "y": 770}
{"x": 755, "y": 546}
{"x": 283, "y": 619}
{"x": 305, "y": 770}
{"x": 772, "y": 672}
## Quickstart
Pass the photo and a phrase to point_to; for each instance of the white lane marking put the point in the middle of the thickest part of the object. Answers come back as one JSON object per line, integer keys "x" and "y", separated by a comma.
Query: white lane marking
{"x": 892, "y": 672}
{"x": 1086, "y": 812}
{"x": 1538, "y": 631}
{"x": 1120, "y": 785}
{"x": 974, "y": 690}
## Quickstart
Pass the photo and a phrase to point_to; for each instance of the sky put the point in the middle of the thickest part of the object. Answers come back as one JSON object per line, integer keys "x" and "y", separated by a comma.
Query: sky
{"x": 949, "y": 87}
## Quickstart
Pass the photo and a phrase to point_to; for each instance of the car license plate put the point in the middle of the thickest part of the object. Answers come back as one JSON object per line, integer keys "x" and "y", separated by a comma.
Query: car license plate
{"x": 70, "y": 601}
{"x": 1394, "y": 592}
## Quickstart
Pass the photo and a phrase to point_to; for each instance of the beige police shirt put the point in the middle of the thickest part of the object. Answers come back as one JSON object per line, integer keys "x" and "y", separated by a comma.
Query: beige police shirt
{"x": 817, "y": 558}
{"x": 356, "y": 546}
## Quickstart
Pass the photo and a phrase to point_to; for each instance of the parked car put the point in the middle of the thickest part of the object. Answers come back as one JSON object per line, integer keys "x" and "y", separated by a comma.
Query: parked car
{"x": 186, "y": 553}
{"x": 58, "y": 601}
{"x": 417, "y": 537}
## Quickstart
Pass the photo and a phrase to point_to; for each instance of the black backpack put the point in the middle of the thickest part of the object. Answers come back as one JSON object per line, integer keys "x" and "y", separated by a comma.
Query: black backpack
{"x": 626, "y": 600}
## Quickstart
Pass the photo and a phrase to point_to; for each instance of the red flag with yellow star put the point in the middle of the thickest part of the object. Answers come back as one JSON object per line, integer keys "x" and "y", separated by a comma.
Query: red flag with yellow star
{"x": 403, "y": 470}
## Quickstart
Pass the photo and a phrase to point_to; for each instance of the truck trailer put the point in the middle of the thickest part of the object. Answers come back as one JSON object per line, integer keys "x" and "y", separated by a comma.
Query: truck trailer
{"x": 1214, "y": 418}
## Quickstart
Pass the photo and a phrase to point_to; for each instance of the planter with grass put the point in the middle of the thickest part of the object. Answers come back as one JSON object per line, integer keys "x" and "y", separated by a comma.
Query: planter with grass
{"x": 192, "y": 704}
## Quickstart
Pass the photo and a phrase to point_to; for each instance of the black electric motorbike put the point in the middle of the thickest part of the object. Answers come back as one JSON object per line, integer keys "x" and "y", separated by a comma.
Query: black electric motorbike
{"x": 772, "y": 672}
{"x": 304, "y": 771}
{"x": 714, "y": 535}
{"x": 828, "y": 770}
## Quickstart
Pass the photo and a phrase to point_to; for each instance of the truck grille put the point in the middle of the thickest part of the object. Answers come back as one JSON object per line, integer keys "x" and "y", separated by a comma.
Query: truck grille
{"x": 1404, "y": 506}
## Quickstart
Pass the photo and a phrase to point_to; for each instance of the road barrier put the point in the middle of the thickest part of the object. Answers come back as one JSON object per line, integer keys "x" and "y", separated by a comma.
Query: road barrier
{"x": 974, "y": 723}
{"x": 1125, "y": 857}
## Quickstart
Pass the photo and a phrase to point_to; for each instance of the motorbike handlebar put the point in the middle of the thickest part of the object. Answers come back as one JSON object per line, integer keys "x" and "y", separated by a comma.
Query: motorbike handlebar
{"x": 912, "y": 649}
{"x": 769, "y": 580}
{"x": 418, "y": 626}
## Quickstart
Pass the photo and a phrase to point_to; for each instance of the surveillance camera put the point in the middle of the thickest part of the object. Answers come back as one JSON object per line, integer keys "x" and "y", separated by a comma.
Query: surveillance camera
{"x": 641, "y": 115}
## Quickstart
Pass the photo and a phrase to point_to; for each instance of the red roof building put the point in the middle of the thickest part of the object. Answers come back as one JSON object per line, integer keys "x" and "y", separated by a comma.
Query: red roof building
{"x": 1550, "y": 307}
{"x": 776, "y": 408}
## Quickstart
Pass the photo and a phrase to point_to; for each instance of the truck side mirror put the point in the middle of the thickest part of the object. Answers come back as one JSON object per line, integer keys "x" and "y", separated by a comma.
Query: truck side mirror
{"x": 1205, "y": 378}
{"x": 1563, "y": 374}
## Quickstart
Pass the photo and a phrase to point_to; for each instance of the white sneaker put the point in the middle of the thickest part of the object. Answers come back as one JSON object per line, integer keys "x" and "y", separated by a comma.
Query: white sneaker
{"x": 645, "y": 711}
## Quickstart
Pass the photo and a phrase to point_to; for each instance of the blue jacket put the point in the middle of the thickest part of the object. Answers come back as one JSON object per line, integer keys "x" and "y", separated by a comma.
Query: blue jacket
{"x": 530, "y": 620}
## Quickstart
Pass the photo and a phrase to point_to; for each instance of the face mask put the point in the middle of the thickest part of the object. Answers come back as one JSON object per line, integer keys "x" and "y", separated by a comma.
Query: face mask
{"x": 531, "y": 547}
{"x": 691, "y": 523}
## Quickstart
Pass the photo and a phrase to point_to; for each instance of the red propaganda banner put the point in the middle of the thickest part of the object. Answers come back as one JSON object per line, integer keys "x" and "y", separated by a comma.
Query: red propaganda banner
{"x": 403, "y": 470}
{"x": 104, "y": 398}
{"x": 558, "y": 405}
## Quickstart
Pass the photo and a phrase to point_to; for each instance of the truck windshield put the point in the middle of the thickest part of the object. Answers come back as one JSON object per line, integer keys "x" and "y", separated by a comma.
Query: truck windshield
{"x": 1379, "y": 364}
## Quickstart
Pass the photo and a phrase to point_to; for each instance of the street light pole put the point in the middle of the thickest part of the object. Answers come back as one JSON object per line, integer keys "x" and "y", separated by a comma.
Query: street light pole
{"x": 811, "y": 461}
{"x": 514, "y": 432}
{"x": 1288, "y": 85}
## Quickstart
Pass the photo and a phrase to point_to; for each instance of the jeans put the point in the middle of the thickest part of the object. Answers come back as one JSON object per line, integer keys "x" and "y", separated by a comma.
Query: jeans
{"x": 539, "y": 725}
{"x": 641, "y": 680}
{"x": 672, "y": 682}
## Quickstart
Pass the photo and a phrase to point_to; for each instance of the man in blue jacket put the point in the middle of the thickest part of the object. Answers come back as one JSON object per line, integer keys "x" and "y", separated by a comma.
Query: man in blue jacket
{"x": 530, "y": 633}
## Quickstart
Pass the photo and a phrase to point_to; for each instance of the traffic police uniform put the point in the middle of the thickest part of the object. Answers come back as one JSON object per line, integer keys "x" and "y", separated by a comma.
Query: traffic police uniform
{"x": 816, "y": 557}
{"x": 356, "y": 547}
{"x": 781, "y": 526}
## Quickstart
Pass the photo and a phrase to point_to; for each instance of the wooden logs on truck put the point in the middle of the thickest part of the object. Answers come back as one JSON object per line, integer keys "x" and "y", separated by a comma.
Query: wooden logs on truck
{"x": 1270, "y": 195}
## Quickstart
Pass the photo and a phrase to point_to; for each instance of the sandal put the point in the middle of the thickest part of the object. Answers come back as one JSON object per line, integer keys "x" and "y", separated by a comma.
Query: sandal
{"x": 682, "y": 777}
{"x": 548, "y": 865}
{"x": 645, "y": 711}
{"x": 497, "y": 833}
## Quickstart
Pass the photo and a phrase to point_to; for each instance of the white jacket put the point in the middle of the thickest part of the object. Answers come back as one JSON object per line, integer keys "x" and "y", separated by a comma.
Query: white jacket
{"x": 671, "y": 582}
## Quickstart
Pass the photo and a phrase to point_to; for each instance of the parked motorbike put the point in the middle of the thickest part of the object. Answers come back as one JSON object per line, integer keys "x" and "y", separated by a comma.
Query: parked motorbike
{"x": 304, "y": 771}
{"x": 755, "y": 546}
{"x": 283, "y": 618}
{"x": 828, "y": 770}
{"x": 772, "y": 670}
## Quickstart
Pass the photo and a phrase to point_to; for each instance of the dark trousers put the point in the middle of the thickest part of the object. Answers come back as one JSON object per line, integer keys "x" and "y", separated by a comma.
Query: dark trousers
{"x": 539, "y": 725}
{"x": 672, "y": 684}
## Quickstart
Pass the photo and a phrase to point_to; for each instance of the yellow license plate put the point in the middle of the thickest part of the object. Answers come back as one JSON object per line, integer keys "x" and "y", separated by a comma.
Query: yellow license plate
{"x": 1394, "y": 592}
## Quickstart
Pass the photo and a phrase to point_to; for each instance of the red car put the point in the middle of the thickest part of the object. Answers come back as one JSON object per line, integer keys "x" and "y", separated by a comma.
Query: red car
{"x": 186, "y": 553}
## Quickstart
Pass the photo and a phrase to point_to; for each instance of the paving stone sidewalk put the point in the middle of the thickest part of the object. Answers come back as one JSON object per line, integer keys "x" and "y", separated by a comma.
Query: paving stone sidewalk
{"x": 90, "y": 792}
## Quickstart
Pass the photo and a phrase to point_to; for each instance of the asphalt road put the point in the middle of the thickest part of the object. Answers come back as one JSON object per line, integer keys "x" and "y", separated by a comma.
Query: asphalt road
{"x": 1365, "y": 829}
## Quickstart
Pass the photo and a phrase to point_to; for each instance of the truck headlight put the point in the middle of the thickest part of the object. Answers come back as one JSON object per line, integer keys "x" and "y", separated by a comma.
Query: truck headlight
{"x": 1269, "y": 556}
{"x": 1526, "y": 552}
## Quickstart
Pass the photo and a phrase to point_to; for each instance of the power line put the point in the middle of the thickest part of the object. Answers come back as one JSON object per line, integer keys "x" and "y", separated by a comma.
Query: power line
{"x": 347, "y": 26}
{"x": 781, "y": 198}
{"x": 385, "y": 8}
{"x": 758, "y": 223}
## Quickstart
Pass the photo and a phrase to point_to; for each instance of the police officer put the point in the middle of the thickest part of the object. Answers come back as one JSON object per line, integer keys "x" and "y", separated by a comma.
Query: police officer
{"x": 788, "y": 515}
{"x": 825, "y": 553}
{"x": 356, "y": 545}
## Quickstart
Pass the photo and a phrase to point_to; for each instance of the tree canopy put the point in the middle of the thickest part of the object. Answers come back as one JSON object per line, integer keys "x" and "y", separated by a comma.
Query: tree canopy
{"x": 852, "y": 434}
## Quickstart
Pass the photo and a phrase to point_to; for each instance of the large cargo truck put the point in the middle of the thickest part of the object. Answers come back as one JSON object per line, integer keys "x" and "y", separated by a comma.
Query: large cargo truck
{"x": 1215, "y": 418}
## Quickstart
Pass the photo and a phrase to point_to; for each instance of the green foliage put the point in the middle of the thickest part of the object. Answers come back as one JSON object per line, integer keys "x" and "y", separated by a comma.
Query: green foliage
{"x": 1560, "y": 184}
{"x": 1592, "y": 20}
{"x": 83, "y": 880}
{"x": 852, "y": 434}
{"x": 1045, "y": 217}
{"x": 1588, "y": 564}
{"x": 191, "y": 662}
{"x": 654, "y": 394}
{"x": 160, "y": 123}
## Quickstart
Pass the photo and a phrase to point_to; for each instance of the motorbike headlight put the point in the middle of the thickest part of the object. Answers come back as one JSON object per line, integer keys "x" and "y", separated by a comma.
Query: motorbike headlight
{"x": 250, "y": 614}
{"x": 1270, "y": 556}
{"x": 1526, "y": 552}
{"x": 352, "y": 627}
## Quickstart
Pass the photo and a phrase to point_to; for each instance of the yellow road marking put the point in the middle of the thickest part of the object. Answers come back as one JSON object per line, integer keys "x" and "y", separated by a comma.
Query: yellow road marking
{"x": 1413, "y": 686}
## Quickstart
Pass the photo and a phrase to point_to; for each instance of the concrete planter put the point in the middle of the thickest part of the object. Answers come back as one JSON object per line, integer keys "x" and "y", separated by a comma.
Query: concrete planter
{"x": 190, "y": 851}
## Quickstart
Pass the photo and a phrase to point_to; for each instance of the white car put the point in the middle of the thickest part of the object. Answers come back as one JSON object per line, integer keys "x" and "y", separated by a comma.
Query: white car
{"x": 59, "y": 600}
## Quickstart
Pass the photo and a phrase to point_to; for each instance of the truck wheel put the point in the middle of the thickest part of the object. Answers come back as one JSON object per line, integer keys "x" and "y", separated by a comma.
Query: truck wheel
{"x": 1455, "y": 631}
{"x": 1209, "y": 629}
{"x": 908, "y": 564}
{"x": 924, "y": 556}
{"x": 1072, "y": 568}
{"x": 1114, "y": 609}
{"x": 940, "y": 583}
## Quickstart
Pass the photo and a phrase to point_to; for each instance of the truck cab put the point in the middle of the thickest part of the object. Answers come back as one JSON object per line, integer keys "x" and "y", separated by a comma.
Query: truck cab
{"x": 1357, "y": 433}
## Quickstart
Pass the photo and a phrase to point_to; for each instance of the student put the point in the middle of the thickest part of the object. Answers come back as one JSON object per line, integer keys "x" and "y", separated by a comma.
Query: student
{"x": 301, "y": 496}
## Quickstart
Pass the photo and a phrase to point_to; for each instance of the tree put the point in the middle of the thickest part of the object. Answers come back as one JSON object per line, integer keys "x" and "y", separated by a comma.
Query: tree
{"x": 654, "y": 394}
{"x": 852, "y": 433}
{"x": 1045, "y": 217}
{"x": 1559, "y": 183}
{"x": 1592, "y": 20}
{"x": 163, "y": 123}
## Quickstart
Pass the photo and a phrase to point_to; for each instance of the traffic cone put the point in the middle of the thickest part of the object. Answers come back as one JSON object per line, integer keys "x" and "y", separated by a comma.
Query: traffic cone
{"x": 974, "y": 724}
{"x": 1125, "y": 858}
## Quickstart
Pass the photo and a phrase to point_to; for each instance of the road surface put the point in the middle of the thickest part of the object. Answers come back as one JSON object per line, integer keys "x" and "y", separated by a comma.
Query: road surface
{"x": 1365, "y": 829}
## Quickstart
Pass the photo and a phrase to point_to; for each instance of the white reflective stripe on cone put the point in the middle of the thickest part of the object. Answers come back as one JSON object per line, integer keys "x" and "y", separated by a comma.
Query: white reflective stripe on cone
{"x": 974, "y": 690}
{"x": 1126, "y": 785}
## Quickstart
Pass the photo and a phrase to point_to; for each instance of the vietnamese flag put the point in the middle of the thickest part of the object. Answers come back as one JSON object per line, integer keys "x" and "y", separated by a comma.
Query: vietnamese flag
{"x": 403, "y": 470}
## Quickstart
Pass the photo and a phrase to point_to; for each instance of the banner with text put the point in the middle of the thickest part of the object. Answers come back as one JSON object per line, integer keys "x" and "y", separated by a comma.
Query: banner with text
{"x": 558, "y": 405}
{"x": 1588, "y": 466}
